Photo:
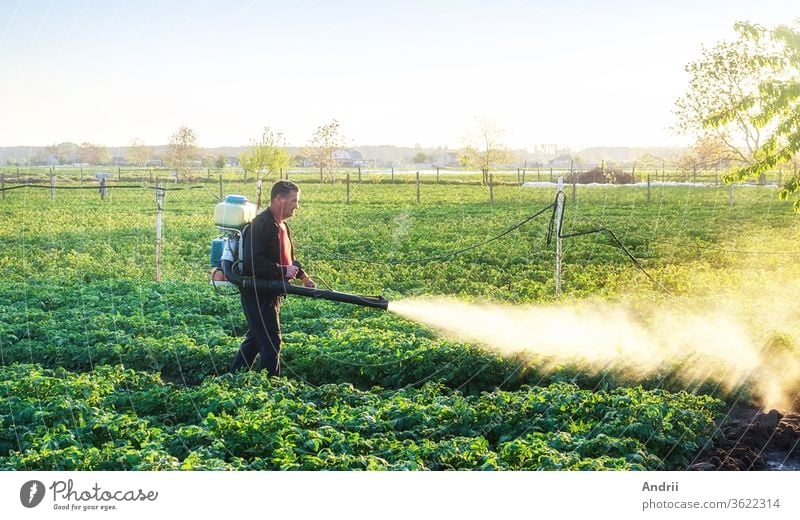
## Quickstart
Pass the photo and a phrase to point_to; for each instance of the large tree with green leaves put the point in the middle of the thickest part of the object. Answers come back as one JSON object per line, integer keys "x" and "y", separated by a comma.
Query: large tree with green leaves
{"x": 767, "y": 65}
{"x": 266, "y": 155}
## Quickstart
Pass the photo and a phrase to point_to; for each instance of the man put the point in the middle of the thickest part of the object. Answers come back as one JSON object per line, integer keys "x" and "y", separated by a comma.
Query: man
{"x": 268, "y": 254}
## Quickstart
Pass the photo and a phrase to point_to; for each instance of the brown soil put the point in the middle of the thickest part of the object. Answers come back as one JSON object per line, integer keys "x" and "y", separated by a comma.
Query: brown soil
{"x": 754, "y": 440}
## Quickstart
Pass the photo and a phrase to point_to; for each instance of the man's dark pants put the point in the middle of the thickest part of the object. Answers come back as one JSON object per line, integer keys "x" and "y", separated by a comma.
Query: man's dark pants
{"x": 262, "y": 311}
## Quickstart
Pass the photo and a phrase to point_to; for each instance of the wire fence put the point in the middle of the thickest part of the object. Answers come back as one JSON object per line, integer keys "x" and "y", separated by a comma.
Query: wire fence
{"x": 578, "y": 174}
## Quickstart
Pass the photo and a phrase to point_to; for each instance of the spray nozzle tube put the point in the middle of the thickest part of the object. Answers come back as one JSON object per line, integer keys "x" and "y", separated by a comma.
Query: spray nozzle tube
{"x": 284, "y": 287}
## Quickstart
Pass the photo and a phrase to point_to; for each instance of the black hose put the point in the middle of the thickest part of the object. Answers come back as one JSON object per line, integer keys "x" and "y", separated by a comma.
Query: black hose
{"x": 284, "y": 287}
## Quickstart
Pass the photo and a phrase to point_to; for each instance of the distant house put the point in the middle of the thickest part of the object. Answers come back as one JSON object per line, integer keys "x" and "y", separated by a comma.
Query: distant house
{"x": 564, "y": 160}
{"x": 351, "y": 157}
{"x": 155, "y": 163}
{"x": 446, "y": 160}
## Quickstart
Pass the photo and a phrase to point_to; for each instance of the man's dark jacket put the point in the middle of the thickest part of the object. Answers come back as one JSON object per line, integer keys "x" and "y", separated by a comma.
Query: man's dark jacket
{"x": 262, "y": 248}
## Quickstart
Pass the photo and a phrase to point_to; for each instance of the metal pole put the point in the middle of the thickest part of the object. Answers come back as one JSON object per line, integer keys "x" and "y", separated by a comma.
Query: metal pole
{"x": 559, "y": 248}
{"x": 359, "y": 174}
{"x": 648, "y": 188}
{"x": 437, "y": 174}
{"x": 392, "y": 173}
{"x": 347, "y": 182}
{"x": 417, "y": 186}
{"x": 159, "y": 222}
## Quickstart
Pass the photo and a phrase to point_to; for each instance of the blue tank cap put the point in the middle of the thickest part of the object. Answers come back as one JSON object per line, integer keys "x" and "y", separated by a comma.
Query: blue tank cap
{"x": 236, "y": 199}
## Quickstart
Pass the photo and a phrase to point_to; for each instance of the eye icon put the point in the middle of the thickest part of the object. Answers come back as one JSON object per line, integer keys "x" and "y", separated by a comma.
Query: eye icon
{"x": 31, "y": 493}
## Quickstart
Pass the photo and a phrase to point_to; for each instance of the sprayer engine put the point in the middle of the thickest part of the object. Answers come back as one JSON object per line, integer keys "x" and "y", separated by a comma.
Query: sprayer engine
{"x": 232, "y": 216}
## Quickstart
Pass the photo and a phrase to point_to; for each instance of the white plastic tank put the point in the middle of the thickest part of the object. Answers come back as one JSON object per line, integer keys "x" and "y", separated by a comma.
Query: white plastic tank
{"x": 234, "y": 212}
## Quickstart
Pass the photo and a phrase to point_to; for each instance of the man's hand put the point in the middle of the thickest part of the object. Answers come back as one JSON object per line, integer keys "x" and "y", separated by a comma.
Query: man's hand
{"x": 291, "y": 271}
{"x": 308, "y": 282}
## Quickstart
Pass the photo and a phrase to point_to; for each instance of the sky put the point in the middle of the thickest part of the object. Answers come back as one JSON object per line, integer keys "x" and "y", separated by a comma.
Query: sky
{"x": 410, "y": 72}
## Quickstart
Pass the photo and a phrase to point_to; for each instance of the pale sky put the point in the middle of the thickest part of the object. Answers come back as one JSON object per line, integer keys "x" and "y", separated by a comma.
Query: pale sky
{"x": 573, "y": 73}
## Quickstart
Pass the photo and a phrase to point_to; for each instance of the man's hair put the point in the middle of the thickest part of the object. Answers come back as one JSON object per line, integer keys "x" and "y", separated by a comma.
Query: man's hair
{"x": 283, "y": 188}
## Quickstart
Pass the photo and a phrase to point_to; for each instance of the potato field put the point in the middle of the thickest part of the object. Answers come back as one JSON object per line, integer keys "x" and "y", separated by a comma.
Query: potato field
{"x": 102, "y": 368}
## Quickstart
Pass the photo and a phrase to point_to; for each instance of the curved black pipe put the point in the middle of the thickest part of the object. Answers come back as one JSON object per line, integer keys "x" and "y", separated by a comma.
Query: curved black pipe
{"x": 284, "y": 287}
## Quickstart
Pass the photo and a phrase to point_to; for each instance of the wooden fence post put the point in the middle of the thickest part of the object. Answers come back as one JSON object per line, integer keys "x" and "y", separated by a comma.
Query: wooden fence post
{"x": 347, "y": 190}
{"x": 574, "y": 179}
{"x": 417, "y": 186}
{"x": 52, "y": 187}
{"x": 159, "y": 222}
{"x": 491, "y": 191}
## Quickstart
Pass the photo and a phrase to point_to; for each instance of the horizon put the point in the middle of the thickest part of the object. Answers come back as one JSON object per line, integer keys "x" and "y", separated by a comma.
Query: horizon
{"x": 420, "y": 73}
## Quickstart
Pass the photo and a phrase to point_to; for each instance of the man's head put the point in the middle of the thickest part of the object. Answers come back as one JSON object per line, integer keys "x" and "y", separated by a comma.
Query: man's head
{"x": 284, "y": 199}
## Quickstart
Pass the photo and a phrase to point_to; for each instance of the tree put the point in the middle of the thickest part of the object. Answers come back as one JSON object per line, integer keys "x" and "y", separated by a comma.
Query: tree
{"x": 420, "y": 158}
{"x": 721, "y": 78}
{"x": 326, "y": 140}
{"x": 779, "y": 98}
{"x": 483, "y": 149}
{"x": 266, "y": 154}
{"x": 182, "y": 145}
{"x": 93, "y": 153}
{"x": 138, "y": 152}
{"x": 220, "y": 161}
{"x": 770, "y": 102}
{"x": 708, "y": 152}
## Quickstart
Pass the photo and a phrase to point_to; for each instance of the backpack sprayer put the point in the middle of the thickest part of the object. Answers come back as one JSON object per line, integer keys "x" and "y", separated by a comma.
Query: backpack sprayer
{"x": 232, "y": 216}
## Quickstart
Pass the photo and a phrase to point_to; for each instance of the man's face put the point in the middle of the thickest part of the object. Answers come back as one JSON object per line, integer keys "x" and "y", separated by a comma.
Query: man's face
{"x": 290, "y": 204}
